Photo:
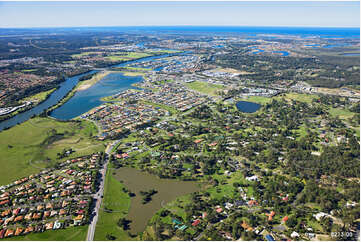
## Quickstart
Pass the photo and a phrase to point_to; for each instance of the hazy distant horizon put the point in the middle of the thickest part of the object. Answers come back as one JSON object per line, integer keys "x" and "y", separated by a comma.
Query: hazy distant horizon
{"x": 144, "y": 14}
{"x": 171, "y": 26}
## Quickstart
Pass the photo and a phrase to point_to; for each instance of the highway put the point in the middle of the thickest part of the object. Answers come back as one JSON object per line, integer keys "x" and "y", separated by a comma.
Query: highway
{"x": 99, "y": 195}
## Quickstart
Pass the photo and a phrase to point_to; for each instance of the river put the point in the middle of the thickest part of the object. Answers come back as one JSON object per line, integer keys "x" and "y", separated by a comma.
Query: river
{"x": 87, "y": 97}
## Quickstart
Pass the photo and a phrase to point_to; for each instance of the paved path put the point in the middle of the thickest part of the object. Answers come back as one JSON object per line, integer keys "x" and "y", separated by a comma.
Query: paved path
{"x": 99, "y": 194}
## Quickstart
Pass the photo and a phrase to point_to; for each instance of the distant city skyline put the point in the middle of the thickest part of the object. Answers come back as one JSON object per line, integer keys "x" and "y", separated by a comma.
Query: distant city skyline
{"x": 100, "y": 14}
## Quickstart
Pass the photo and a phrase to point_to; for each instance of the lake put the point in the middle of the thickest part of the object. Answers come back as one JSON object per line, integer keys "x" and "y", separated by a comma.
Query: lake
{"x": 257, "y": 51}
{"x": 247, "y": 107}
{"x": 283, "y": 53}
{"x": 85, "y": 100}
{"x": 168, "y": 190}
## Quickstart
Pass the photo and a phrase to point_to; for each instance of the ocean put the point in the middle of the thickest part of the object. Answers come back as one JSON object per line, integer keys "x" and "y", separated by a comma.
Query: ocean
{"x": 321, "y": 32}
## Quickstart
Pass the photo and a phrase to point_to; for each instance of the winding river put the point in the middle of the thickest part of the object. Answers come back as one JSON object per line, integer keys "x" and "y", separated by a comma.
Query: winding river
{"x": 82, "y": 101}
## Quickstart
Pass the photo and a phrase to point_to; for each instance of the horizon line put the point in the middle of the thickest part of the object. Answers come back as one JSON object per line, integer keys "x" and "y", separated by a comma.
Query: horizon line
{"x": 182, "y": 25}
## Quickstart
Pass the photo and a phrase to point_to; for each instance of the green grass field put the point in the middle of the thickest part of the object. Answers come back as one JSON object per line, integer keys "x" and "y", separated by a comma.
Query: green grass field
{"x": 165, "y": 107}
{"x": 41, "y": 96}
{"x": 69, "y": 234}
{"x": 117, "y": 201}
{"x": 28, "y": 70}
{"x": 307, "y": 98}
{"x": 341, "y": 113}
{"x": 27, "y": 148}
{"x": 121, "y": 56}
{"x": 204, "y": 87}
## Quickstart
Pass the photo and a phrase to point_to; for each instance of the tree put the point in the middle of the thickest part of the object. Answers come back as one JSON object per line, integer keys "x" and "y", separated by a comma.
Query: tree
{"x": 124, "y": 223}
{"x": 110, "y": 237}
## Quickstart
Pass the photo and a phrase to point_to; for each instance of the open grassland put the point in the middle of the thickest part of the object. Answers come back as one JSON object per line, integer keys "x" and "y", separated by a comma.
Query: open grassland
{"x": 28, "y": 70}
{"x": 116, "y": 56}
{"x": 39, "y": 97}
{"x": 27, "y": 148}
{"x": 162, "y": 106}
{"x": 123, "y": 56}
{"x": 307, "y": 98}
{"x": 69, "y": 234}
{"x": 338, "y": 91}
{"x": 341, "y": 113}
{"x": 231, "y": 70}
{"x": 204, "y": 87}
{"x": 115, "y": 205}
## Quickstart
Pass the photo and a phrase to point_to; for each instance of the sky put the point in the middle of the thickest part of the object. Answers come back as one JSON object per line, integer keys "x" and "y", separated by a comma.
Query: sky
{"x": 78, "y": 14}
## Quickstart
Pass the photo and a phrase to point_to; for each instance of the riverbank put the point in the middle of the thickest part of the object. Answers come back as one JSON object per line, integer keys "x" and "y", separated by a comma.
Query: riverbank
{"x": 63, "y": 93}
{"x": 83, "y": 85}
{"x": 35, "y": 100}
{"x": 69, "y": 95}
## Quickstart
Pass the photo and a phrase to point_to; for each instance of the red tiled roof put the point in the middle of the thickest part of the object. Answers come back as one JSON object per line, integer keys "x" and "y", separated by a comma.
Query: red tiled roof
{"x": 218, "y": 210}
{"x": 196, "y": 222}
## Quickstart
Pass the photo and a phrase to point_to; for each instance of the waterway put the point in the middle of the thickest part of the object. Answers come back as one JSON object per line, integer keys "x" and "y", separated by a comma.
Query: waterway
{"x": 283, "y": 53}
{"x": 351, "y": 54}
{"x": 247, "y": 107}
{"x": 54, "y": 98}
{"x": 85, "y": 100}
{"x": 257, "y": 51}
{"x": 82, "y": 101}
{"x": 168, "y": 190}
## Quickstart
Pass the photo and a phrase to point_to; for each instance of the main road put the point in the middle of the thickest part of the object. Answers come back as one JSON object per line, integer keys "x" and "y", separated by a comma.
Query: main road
{"x": 99, "y": 195}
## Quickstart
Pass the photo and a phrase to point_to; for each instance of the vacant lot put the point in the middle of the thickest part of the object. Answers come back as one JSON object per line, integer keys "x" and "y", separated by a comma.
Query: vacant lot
{"x": 123, "y": 56}
{"x": 204, "y": 87}
{"x": 27, "y": 148}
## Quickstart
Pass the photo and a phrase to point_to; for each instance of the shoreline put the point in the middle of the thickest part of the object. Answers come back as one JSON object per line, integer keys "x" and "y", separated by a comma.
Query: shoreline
{"x": 72, "y": 92}
{"x": 26, "y": 108}
{"x": 92, "y": 81}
